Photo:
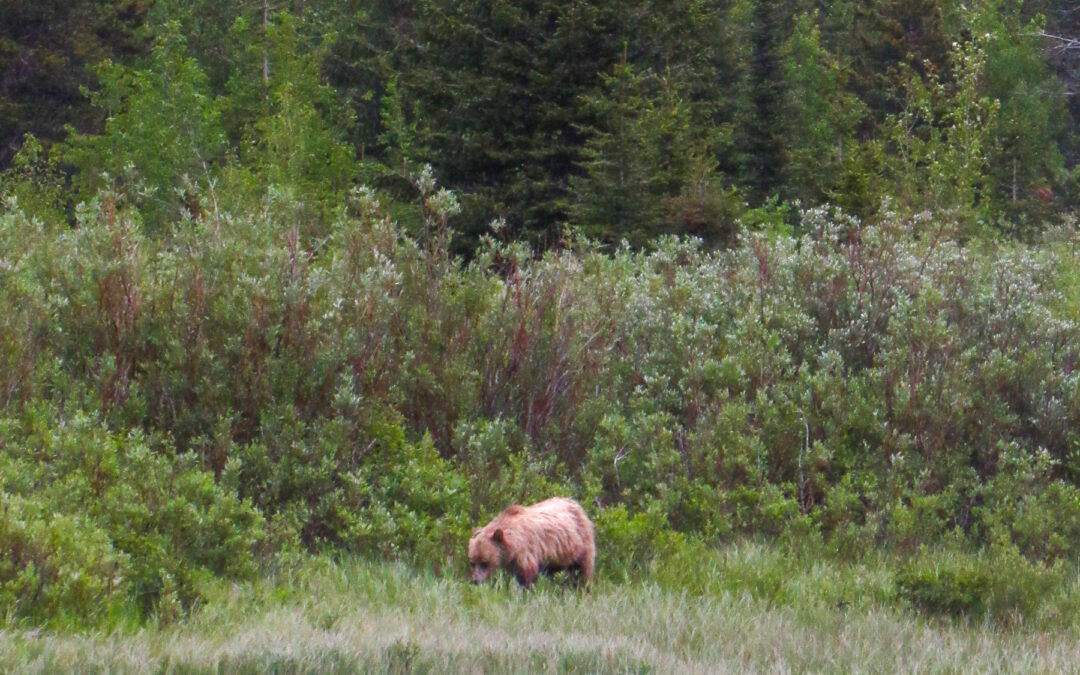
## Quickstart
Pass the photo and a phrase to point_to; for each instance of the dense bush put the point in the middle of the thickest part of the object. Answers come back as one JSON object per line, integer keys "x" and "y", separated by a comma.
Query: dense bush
{"x": 251, "y": 383}
{"x": 94, "y": 513}
{"x": 56, "y": 567}
{"x": 999, "y": 584}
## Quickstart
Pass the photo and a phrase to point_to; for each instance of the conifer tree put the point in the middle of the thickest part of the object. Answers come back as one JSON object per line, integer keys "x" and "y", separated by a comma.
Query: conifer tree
{"x": 644, "y": 163}
{"x": 46, "y": 50}
{"x": 819, "y": 119}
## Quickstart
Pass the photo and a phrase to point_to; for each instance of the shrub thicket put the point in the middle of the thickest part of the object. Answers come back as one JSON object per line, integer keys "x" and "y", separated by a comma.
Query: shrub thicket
{"x": 186, "y": 403}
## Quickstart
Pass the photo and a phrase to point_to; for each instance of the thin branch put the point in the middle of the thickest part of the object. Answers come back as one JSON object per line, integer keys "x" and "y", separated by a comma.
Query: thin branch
{"x": 1063, "y": 43}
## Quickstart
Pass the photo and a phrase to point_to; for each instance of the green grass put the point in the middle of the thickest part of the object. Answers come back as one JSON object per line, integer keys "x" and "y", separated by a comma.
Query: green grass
{"x": 359, "y": 617}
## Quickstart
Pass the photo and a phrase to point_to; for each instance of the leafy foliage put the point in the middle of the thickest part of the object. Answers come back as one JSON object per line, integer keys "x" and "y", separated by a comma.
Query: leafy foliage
{"x": 89, "y": 514}
{"x": 193, "y": 408}
{"x": 161, "y": 131}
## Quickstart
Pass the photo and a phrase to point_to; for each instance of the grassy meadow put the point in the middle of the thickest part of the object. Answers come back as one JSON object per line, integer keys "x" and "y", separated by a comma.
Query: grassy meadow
{"x": 771, "y": 615}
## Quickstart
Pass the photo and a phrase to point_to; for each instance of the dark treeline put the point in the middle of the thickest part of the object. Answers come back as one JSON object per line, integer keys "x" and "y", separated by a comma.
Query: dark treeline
{"x": 625, "y": 119}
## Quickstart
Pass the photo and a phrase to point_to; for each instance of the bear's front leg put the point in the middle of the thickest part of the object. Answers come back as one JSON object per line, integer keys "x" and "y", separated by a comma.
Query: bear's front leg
{"x": 526, "y": 574}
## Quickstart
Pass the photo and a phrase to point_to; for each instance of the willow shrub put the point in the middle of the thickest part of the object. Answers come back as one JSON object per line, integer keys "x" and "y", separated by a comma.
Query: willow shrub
{"x": 345, "y": 385}
{"x": 95, "y": 519}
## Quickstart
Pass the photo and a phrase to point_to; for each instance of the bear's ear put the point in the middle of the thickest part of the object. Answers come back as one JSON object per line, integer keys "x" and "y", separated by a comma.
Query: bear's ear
{"x": 497, "y": 537}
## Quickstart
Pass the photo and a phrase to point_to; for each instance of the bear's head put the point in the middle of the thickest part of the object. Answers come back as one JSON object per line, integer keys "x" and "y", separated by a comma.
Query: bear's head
{"x": 485, "y": 553}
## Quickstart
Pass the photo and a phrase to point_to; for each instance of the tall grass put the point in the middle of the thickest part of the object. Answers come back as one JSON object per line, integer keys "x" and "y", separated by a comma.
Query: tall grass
{"x": 359, "y": 617}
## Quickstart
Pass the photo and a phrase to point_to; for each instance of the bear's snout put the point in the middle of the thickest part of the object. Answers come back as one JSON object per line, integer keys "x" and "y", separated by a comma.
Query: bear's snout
{"x": 480, "y": 574}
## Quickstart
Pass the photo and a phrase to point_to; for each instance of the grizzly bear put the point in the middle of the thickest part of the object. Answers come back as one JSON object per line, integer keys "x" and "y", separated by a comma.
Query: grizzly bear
{"x": 551, "y": 536}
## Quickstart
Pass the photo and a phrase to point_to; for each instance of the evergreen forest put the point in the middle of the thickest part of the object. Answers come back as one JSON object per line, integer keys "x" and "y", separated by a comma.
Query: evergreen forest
{"x": 294, "y": 280}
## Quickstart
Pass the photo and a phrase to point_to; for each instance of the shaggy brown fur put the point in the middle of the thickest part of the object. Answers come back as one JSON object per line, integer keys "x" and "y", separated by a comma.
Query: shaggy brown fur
{"x": 551, "y": 536}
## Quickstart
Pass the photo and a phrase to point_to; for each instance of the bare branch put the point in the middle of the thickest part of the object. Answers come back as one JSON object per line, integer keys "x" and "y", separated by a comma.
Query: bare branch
{"x": 1060, "y": 43}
